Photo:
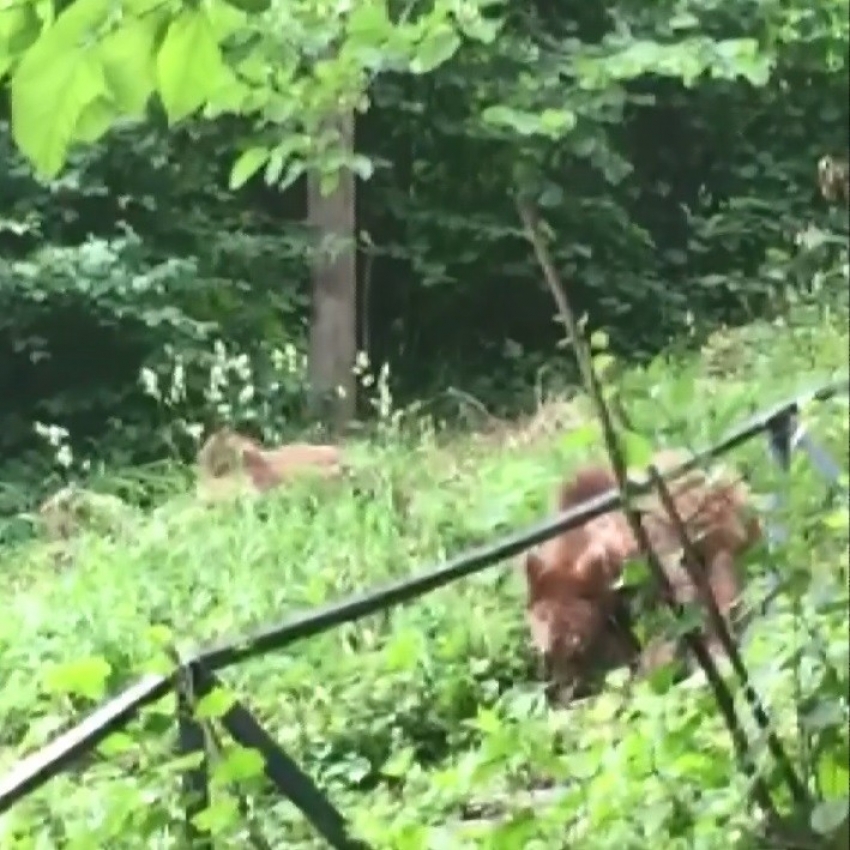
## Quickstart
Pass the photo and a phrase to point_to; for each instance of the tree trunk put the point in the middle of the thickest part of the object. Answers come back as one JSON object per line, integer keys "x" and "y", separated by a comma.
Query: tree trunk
{"x": 333, "y": 326}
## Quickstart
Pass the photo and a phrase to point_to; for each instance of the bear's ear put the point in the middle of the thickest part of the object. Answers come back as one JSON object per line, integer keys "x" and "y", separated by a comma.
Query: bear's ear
{"x": 534, "y": 568}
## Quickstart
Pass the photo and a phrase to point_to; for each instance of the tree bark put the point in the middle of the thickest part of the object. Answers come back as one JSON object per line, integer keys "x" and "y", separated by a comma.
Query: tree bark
{"x": 333, "y": 325}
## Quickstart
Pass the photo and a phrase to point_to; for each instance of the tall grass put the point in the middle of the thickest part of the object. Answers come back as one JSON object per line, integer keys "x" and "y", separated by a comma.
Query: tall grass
{"x": 407, "y": 716}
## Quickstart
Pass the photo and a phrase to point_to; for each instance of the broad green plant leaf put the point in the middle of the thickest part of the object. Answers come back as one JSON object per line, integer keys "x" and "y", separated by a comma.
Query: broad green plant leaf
{"x": 129, "y": 66}
{"x": 437, "y": 47}
{"x": 189, "y": 64}
{"x": 581, "y": 438}
{"x": 369, "y": 25}
{"x": 239, "y": 763}
{"x": 219, "y": 816}
{"x": 214, "y": 705}
{"x": 57, "y": 78}
{"x": 19, "y": 28}
{"x": 524, "y": 123}
{"x": 95, "y": 120}
{"x": 248, "y": 164}
{"x": 84, "y": 677}
{"x": 557, "y": 121}
{"x": 638, "y": 451}
{"x": 828, "y": 815}
{"x": 400, "y": 763}
{"x": 49, "y": 95}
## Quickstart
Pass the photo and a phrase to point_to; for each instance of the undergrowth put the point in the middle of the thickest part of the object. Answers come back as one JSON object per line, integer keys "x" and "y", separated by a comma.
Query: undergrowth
{"x": 423, "y": 715}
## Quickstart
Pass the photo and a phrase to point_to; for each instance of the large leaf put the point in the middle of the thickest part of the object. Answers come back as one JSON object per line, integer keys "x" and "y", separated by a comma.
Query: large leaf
{"x": 57, "y": 78}
{"x": 95, "y": 120}
{"x": 189, "y": 64}
{"x": 19, "y": 28}
{"x": 369, "y": 24}
{"x": 248, "y": 164}
{"x": 438, "y": 46}
{"x": 48, "y": 99}
{"x": 128, "y": 62}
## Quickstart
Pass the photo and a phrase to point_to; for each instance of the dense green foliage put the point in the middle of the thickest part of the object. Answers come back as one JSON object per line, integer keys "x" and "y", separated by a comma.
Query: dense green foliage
{"x": 673, "y": 151}
{"x": 412, "y": 718}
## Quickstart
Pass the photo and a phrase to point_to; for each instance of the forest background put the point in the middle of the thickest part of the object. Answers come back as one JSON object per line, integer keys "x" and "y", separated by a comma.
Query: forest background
{"x": 671, "y": 147}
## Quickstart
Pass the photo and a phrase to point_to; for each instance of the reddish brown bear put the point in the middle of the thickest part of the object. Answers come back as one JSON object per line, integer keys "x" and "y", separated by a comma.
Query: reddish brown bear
{"x": 579, "y": 623}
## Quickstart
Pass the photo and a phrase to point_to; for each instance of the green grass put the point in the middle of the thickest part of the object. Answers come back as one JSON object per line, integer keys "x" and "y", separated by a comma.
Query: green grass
{"x": 407, "y": 715}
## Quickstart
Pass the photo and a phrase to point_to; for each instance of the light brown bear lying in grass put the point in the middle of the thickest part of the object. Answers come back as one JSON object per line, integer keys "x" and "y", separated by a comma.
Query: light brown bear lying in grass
{"x": 230, "y": 463}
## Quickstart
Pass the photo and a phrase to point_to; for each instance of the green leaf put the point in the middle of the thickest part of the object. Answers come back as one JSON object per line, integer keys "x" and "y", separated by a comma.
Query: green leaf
{"x": 12, "y": 19}
{"x": 683, "y": 21}
{"x": 399, "y": 763}
{"x": 681, "y": 392}
{"x": 663, "y": 678}
{"x": 248, "y": 164}
{"x": 824, "y": 714}
{"x": 486, "y": 721}
{"x": 837, "y": 520}
{"x": 95, "y": 120}
{"x": 635, "y": 572}
{"x": 524, "y": 123}
{"x": 215, "y": 704}
{"x": 129, "y": 65}
{"x": 437, "y": 47}
{"x": 116, "y": 744}
{"x": 828, "y": 815}
{"x": 189, "y": 64}
{"x": 293, "y": 172}
{"x": 832, "y": 771}
{"x": 580, "y": 438}
{"x": 160, "y": 634}
{"x": 478, "y": 28}
{"x": 688, "y": 621}
{"x": 328, "y": 183}
{"x": 19, "y": 28}
{"x": 599, "y": 340}
{"x": 219, "y": 816}
{"x": 362, "y": 166}
{"x": 51, "y": 88}
{"x": 368, "y": 25}
{"x": 603, "y": 363}
{"x": 638, "y": 451}
{"x": 404, "y": 650}
{"x": 183, "y": 763}
{"x": 84, "y": 677}
{"x": 79, "y": 22}
{"x": 551, "y": 197}
{"x": 557, "y": 121}
{"x": 57, "y": 78}
{"x": 239, "y": 763}
{"x": 41, "y": 729}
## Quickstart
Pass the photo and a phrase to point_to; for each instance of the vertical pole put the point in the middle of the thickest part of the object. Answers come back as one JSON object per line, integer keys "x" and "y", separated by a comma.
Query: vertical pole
{"x": 191, "y": 741}
{"x": 780, "y": 436}
{"x": 780, "y": 444}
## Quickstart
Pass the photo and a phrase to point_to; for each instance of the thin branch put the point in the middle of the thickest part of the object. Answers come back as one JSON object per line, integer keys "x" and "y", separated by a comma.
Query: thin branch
{"x": 697, "y": 570}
